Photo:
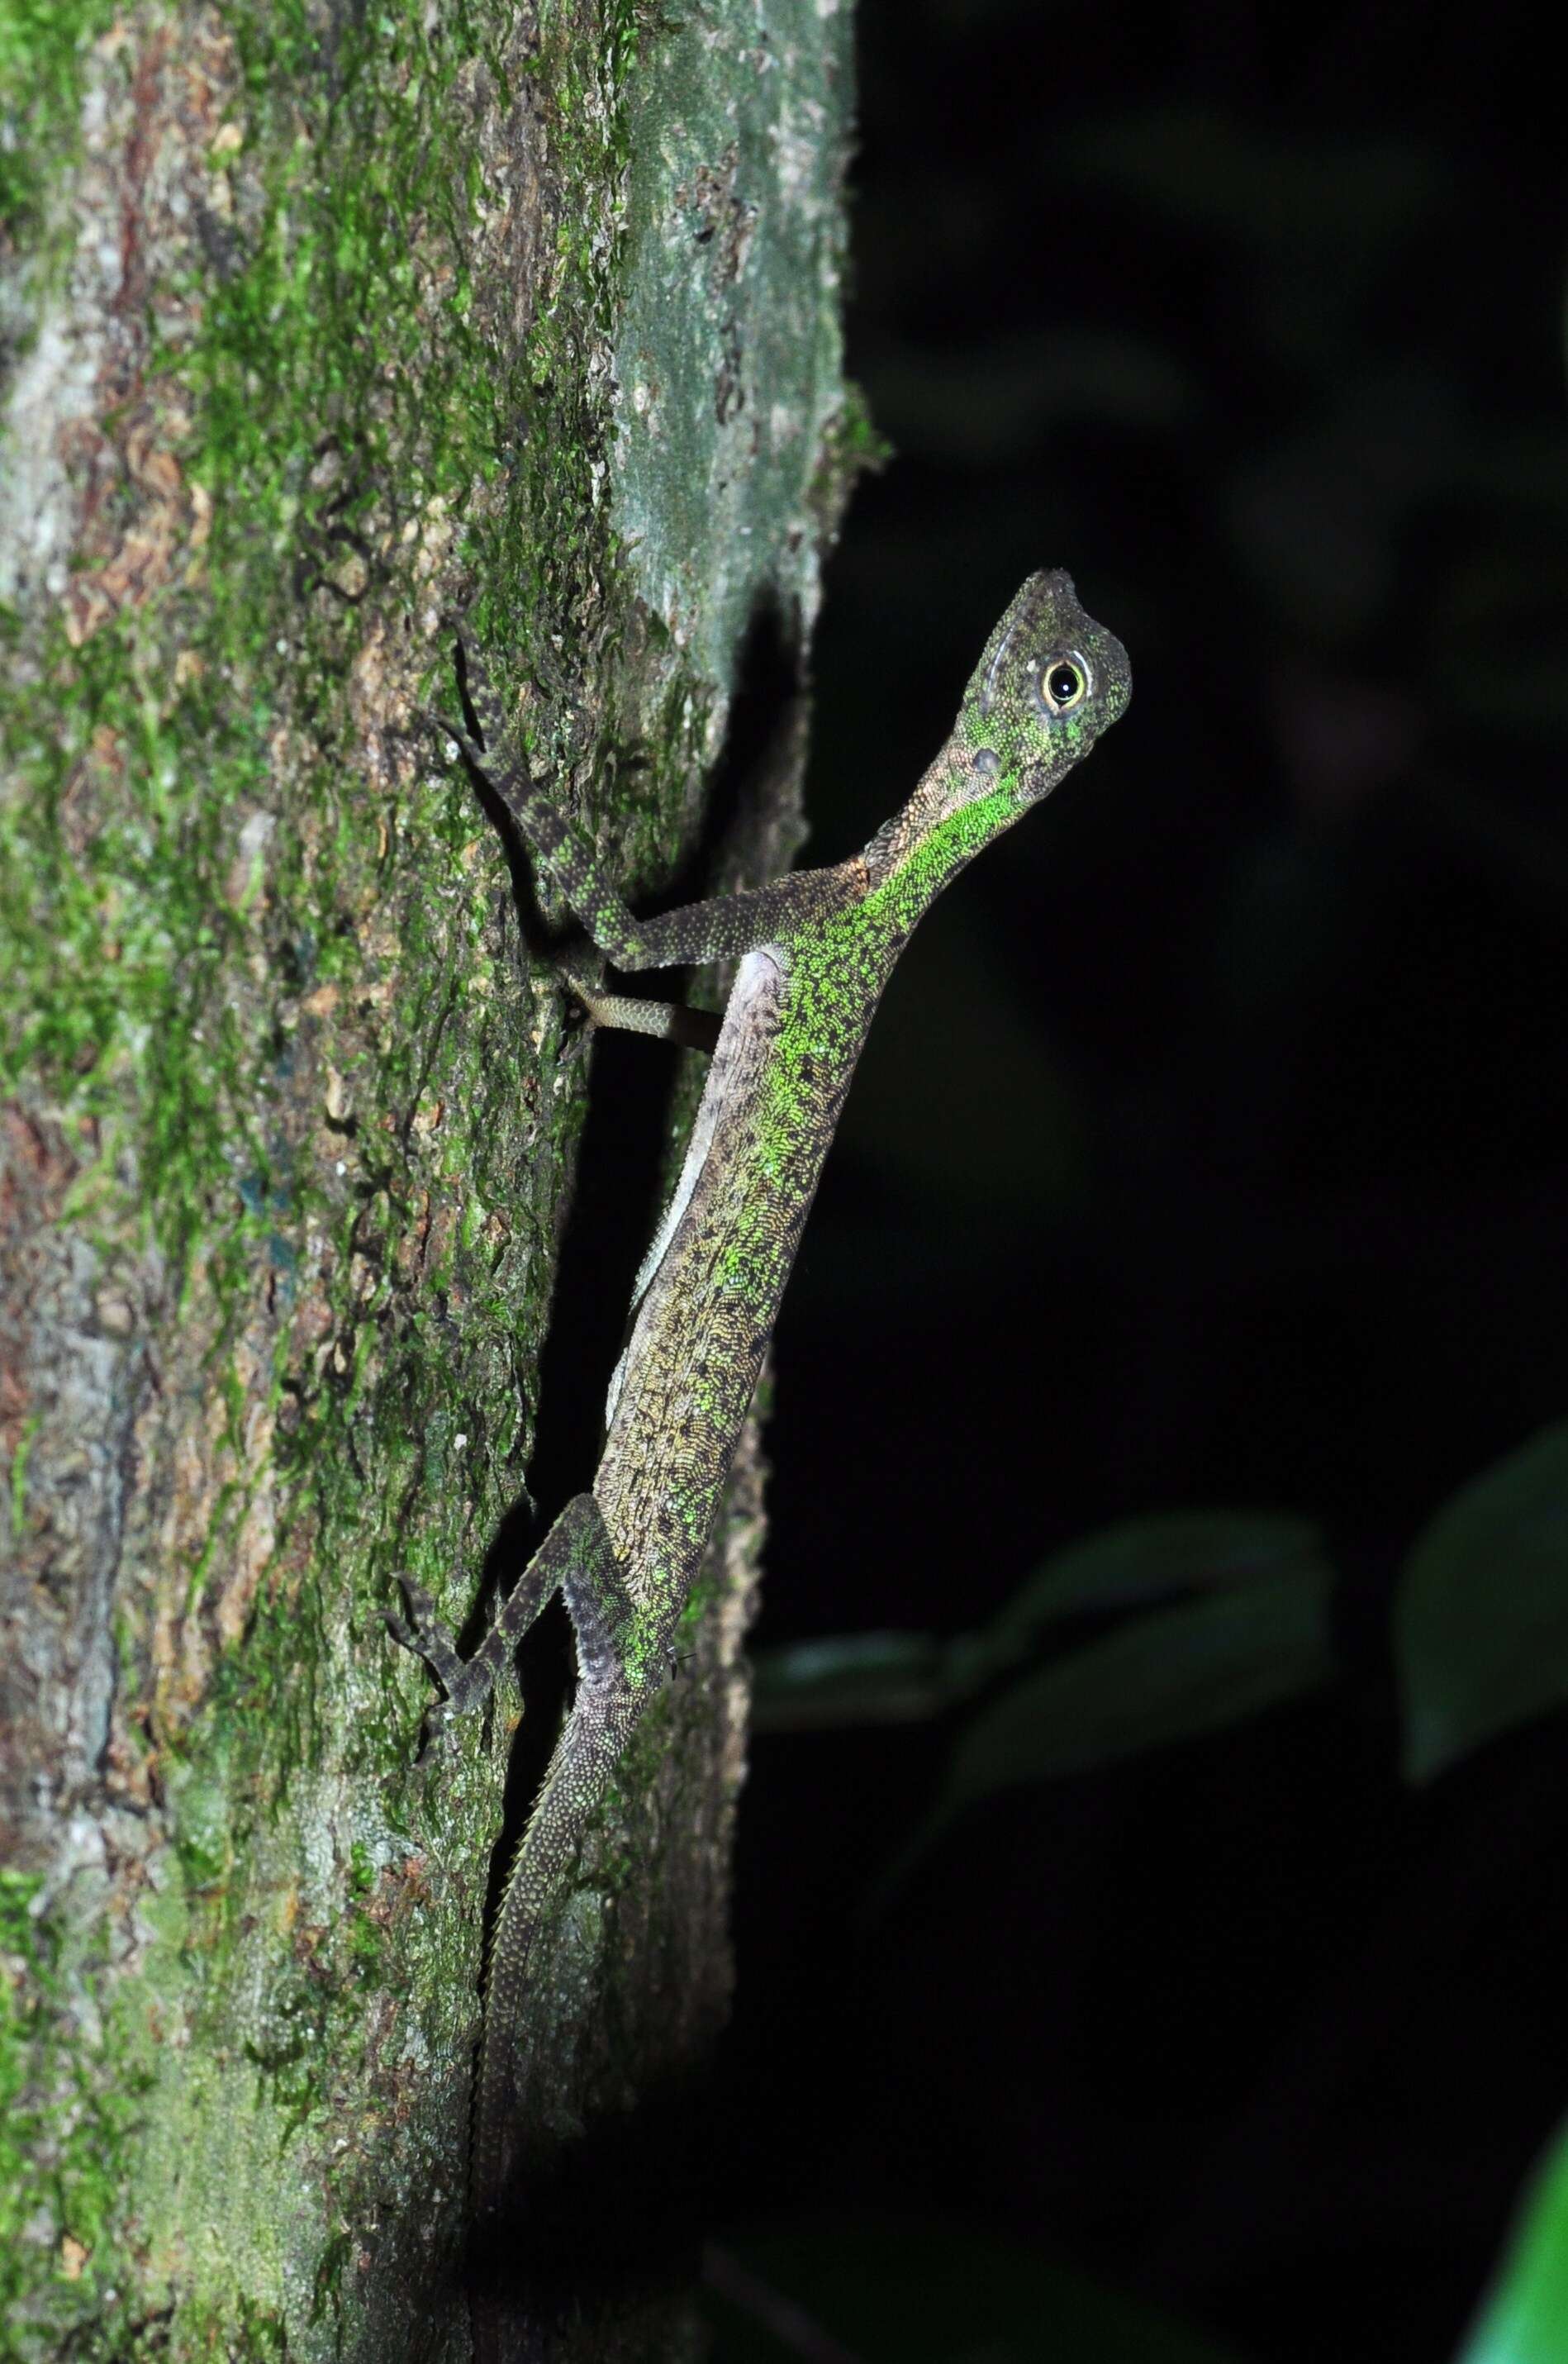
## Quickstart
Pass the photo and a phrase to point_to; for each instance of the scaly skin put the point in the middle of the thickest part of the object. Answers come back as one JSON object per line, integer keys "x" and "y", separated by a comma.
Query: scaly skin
{"x": 816, "y": 950}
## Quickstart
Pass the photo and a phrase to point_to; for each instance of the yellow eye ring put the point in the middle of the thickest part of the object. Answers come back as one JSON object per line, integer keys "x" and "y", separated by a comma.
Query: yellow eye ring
{"x": 1062, "y": 681}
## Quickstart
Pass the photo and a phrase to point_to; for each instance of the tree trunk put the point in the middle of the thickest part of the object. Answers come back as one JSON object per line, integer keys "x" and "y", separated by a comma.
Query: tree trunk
{"x": 323, "y": 326}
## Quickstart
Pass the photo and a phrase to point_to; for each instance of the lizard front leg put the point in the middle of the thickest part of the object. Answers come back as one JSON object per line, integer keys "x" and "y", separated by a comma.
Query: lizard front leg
{"x": 722, "y": 928}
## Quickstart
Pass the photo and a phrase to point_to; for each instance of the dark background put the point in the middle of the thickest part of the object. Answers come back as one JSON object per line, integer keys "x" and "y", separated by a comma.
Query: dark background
{"x": 1211, "y": 1149}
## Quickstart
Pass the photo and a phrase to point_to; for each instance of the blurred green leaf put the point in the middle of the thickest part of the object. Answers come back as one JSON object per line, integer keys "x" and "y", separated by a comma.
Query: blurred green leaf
{"x": 880, "y": 2293}
{"x": 1142, "y": 1559}
{"x": 1481, "y": 1621}
{"x": 890, "y": 1677}
{"x": 849, "y": 1679}
{"x": 1136, "y": 1561}
{"x": 1524, "y": 2317}
{"x": 1166, "y": 1677}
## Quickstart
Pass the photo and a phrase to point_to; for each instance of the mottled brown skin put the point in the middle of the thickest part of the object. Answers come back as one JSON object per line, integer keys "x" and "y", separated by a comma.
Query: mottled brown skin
{"x": 814, "y": 951}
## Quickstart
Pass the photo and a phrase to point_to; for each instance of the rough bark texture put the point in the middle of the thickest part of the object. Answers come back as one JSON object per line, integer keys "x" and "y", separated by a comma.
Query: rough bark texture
{"x": 319, "y": 325}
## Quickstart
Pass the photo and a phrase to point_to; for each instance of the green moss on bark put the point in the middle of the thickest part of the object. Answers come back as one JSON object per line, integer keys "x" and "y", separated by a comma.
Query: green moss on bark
{"x": 298, "y": 1120}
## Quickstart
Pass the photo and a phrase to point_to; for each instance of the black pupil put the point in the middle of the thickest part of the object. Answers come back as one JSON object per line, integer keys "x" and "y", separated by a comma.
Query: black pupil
{"x": 1063, "y": 683}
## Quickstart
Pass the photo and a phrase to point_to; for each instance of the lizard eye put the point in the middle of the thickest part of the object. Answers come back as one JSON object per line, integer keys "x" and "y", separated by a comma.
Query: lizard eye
{"x": 1063, "y": 682}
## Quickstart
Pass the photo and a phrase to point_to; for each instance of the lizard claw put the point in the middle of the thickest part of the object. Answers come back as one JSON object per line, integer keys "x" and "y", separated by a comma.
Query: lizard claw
{"x": 423, "y": 1633}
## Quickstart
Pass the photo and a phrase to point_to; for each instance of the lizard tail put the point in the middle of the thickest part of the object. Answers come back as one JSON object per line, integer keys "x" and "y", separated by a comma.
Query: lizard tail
{"x": 580, "y": 1772}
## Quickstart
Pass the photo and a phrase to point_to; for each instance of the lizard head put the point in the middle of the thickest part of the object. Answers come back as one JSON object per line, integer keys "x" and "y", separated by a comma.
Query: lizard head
{"x": 1049, "y": 681}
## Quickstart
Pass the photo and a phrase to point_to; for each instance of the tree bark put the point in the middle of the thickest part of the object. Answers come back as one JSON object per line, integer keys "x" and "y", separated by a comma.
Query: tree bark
{"x": 322, "y": 327}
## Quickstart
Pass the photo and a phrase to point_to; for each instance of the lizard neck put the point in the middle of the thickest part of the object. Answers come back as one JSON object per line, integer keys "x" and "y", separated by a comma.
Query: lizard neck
{"x": 957, "y": 807}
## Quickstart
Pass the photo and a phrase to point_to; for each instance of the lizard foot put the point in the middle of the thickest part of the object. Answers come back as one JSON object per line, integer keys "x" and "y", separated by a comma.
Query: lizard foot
{"x": 467, "y": 1682}
{"x": 423, "y": 1632}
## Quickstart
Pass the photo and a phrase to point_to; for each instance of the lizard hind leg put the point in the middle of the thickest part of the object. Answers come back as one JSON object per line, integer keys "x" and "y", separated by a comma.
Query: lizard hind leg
{"x": 603, "y": 1615}
{"x": 468, "y": 1682}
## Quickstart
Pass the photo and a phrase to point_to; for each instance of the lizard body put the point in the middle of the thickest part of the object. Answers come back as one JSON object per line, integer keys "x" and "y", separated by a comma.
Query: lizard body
{"x": 815, "y": 951}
